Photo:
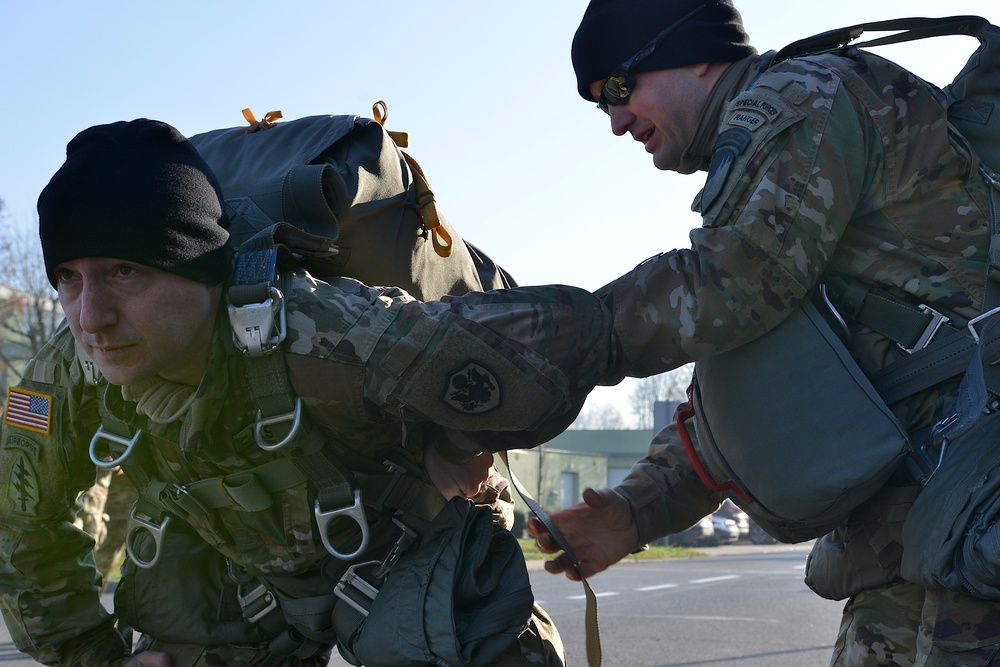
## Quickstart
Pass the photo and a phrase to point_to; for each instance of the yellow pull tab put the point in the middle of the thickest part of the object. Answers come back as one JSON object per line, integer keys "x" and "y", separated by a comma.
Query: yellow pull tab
{"x": 380, "y": 113}
{"x": 262, "y": 124}
{"x": 427, "y": 208}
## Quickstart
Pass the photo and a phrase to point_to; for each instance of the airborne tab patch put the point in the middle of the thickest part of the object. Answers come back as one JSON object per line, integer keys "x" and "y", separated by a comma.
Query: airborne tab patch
{"x": 472, "y": 389}
{"x": 28, "y": 410}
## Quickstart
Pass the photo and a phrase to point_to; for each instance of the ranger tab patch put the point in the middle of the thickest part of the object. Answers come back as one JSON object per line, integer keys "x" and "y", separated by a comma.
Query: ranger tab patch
{"x": 472, "y": 389}
{"x": 29, "y": 410}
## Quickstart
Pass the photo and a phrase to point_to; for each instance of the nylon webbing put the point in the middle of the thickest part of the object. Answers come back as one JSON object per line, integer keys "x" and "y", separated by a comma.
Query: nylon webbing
{"x": 255, "y": 270}
{"x": 593, "y": 630}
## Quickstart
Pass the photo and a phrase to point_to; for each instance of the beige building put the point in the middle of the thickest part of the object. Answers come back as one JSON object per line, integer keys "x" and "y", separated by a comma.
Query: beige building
{"x": 557, "y": 472}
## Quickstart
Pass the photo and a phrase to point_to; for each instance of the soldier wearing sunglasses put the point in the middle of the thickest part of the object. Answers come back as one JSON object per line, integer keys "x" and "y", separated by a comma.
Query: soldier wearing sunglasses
{"x": 825, "y": 166}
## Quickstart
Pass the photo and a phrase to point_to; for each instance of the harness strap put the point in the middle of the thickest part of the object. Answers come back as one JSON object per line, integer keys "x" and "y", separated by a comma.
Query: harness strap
{"x": 593, "y": 631}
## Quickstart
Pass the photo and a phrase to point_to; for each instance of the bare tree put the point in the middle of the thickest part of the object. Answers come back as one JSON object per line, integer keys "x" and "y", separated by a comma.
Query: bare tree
{"x": 671, "y": 386}
{"x": 601, "y": 417}
{"x": 29, "y": 308}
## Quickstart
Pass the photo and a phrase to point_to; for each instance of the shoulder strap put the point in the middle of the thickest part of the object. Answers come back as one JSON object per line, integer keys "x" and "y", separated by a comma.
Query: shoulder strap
{"x": 908, "y": 29}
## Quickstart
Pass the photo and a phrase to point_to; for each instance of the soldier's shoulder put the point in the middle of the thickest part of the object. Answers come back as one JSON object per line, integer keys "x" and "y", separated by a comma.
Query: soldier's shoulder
{"x": 57, "y": 362}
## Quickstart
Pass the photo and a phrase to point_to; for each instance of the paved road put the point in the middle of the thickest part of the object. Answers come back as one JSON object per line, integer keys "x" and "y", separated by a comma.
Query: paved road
{"x": 741, "y": 606}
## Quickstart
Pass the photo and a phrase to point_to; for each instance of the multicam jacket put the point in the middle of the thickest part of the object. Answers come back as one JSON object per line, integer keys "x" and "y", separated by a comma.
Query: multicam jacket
{"x": 819, "y": 166}
{"x": 359, "y": 358}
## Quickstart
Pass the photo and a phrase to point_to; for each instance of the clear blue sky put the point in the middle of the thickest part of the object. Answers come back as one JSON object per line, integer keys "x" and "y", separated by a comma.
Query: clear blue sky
{"x": 521, "y": 165}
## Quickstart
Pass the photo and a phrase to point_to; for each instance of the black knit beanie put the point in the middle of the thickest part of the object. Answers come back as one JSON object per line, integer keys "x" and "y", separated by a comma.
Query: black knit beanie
{"x": 612, "y": 31}
{"x": 137, "y": 191}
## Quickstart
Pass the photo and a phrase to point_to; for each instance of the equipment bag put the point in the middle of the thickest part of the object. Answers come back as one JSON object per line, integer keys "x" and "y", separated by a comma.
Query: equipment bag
{"x": 799, "y": 448}
{"x": 344, "y": 178}
{"x": 461, "y": 597}
{"x": 791, "y": 429}
{"x": 952, "y": 533}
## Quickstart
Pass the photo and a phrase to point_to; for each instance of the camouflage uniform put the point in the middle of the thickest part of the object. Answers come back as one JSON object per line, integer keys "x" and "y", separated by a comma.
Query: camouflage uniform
{"x": 820, "y": 166}
{"x": 360, "y": 359}
{"x": 104, "y": 509}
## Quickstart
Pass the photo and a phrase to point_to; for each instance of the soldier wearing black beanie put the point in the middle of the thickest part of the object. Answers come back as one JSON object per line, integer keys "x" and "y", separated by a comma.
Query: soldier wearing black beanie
{"x": 612, "y": 31}
{"x": 137, "y": 191}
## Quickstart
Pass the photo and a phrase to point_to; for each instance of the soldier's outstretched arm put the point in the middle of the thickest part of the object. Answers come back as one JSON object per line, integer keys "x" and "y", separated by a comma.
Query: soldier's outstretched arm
{"x": 600, "y": 530}
{"x": 511, "y": 361}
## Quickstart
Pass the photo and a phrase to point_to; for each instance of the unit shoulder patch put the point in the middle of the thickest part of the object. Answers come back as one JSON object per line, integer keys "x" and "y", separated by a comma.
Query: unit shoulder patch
{"x": 472, "y": 389}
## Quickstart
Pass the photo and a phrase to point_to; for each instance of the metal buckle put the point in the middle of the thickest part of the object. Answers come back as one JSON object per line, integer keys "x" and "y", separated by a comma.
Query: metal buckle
{"x": 135, "y": 524}
{"x": 352, "y": 579}
{"x": 937, "y": 321}
{"x": 355, "y": 512}
{"x": 111, "y": 437}
{"x": 401, "y": 546}
{"x": 991, "y": 177}
{"x": 178, "y": 499}
{"x": 976, "y": 320}
{"x": 258, "y": 597}
{"x": 295, "y": 416}
{"x": 253, "y": 324}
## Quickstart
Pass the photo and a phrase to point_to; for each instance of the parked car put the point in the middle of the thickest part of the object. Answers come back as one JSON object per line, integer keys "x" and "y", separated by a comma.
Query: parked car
{"x": 759, "y": 536}
{"x": 726, "y": 530}
{"x": 700, "y": 534}
{"x": 712, "y": 530}
{"x": 731, "y": 510}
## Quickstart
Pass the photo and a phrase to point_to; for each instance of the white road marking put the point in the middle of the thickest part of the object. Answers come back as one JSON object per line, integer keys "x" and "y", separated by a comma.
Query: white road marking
{"x": 656, "y": 588}
{"x": 709, "y": 580}
{"x": 600, "y": 595}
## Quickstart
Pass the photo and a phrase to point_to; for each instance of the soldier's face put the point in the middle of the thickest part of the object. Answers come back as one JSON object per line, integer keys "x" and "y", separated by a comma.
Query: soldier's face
{"x": 662, "y": 111}
{"x": 137, "y": 322}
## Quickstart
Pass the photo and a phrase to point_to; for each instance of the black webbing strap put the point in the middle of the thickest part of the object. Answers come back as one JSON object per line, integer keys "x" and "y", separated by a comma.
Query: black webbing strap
{"x": 908, "y": 29}
{"x": 593, "y": 631}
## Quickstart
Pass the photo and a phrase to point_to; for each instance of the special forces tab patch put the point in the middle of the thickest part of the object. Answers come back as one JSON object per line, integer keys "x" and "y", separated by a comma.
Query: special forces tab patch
{"x": 29, "y": 410}
{"x": 472, "y": 389}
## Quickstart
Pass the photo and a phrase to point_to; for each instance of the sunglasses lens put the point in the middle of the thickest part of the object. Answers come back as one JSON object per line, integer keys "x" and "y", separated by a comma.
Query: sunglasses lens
{"x": 615, "y": 91}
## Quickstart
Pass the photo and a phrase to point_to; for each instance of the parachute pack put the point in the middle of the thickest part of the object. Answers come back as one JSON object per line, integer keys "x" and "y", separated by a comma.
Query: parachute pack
{"x": 345, "y": 179}
{"x": 338, "y": 196}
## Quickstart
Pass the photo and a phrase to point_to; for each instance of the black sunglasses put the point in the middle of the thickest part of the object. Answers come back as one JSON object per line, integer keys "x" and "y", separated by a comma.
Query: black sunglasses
{"x": 621, "y": 83}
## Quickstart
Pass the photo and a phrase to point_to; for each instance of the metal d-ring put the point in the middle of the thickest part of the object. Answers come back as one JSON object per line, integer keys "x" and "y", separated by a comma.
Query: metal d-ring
{"x": 135, "y": 524}
{"x": 356, "y": 512}
{"x": 101, "y": 434}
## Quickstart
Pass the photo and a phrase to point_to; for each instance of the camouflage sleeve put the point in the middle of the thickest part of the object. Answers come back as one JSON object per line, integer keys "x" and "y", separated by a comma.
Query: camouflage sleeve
{"x": 788, "y": 170}
{"x": 508, "y": 361}
{"x": 664, "y": 491}
{"x": 49, "y": 587}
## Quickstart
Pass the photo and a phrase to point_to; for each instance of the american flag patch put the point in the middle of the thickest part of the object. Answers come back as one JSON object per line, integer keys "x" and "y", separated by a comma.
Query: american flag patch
{"x": 29, "y": 410}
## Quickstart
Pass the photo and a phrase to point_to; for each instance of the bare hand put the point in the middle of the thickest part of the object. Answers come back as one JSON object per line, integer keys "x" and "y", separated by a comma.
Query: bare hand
{"x": 150, "y": 659}
{"x": 600, "y": 531}
{"x": 465, "y": 480}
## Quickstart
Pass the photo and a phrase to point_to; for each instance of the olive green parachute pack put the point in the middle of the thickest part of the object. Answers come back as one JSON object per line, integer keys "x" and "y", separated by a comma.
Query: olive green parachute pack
{"x": 800, "y": 456}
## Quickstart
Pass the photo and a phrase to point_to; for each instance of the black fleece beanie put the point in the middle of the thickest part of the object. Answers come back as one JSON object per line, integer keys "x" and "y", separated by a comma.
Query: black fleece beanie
{"x": 612, "y": 31}
{"x": 137, "y": 191}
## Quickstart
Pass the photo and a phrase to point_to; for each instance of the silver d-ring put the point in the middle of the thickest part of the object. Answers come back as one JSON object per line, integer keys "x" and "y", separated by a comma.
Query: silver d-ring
{"x": 111, "y": 437}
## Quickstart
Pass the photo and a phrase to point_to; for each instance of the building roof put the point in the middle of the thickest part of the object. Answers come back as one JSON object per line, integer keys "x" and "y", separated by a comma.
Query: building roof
{"x": 603, "y": 442}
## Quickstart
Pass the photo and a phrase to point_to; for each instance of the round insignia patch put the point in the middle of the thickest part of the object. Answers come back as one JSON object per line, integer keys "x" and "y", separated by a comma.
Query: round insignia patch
{"x": 472, "y": 389}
